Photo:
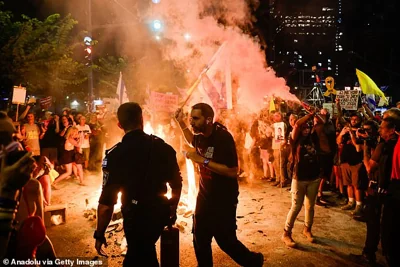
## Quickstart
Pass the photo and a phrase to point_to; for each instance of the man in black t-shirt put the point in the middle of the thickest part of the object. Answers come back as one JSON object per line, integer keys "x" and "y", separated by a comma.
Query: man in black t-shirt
{"x": 215, "y": 214}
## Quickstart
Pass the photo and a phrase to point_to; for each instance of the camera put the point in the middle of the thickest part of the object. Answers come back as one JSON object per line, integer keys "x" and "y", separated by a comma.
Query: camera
{"x": 362, "y": 131}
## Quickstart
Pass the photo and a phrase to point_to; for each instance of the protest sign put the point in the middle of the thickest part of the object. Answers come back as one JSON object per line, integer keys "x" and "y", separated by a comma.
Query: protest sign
{"x": 348, "y": 99}
{"x": 163, "y": 102}
{"x": 330, "y": 107}
{"x": 19, "y": 95}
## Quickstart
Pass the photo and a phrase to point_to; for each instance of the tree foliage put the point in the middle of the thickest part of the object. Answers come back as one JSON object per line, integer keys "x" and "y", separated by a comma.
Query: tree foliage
{"x": 39, "y": 54}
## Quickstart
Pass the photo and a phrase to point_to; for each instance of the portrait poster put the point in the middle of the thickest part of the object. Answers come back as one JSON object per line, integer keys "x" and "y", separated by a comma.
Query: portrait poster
{"x": 279, "y": 131}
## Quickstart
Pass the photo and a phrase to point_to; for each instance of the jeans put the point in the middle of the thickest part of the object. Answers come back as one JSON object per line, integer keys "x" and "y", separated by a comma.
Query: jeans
{"x": 302, "y": 190}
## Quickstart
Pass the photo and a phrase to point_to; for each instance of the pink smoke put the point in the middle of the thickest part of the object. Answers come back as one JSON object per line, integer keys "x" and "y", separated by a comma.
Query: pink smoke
{"x": 247, "y": 60}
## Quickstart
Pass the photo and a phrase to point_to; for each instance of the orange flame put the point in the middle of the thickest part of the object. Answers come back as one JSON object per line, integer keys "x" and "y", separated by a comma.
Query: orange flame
{"x": 192, "y": 192}
{"x": 169, "y": 192}
{"x": 119, "y": 203}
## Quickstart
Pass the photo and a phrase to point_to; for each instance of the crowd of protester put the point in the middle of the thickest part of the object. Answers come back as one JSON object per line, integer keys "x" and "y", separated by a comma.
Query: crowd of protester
{"x": 352, "y": 154}
{"x": 355, "y": 154}
{"x": 68, "y": 143}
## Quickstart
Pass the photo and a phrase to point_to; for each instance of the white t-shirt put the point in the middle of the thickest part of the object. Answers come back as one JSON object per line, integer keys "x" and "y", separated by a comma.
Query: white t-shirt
{"x": 83, "y": 130}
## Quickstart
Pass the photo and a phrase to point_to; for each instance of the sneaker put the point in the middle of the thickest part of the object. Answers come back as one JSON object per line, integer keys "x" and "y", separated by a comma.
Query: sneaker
{"x": 350, "y": 206}
{"x": 321, "y": 202}
{"x": 358, "y": 212}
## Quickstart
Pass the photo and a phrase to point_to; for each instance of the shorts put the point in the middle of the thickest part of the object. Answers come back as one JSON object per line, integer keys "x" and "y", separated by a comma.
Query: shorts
{"x": 326, "y": 165}
{"x": 264, "y": 154}
{"x": 51, "y": 153}
{"x": 86, "y": 153}
{"x": 67, "y": 157}
{"x": 350, "y": 174}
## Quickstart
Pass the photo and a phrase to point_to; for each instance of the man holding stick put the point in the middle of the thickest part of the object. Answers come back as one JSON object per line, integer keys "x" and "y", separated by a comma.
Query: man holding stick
{"x": 215, "y": 215}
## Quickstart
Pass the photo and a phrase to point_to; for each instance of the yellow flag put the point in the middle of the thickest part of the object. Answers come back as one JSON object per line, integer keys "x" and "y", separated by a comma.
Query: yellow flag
{"x": 271, "y": 105}
{"x": 368, "y": 86}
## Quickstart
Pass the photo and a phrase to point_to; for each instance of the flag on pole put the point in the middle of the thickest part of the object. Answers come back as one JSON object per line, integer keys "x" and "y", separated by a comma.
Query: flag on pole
{"x": 121, "y": 91}
{"x": 217, "y": 82}
{"x": 199, "y": 78}
{"x": 368, "y": 86}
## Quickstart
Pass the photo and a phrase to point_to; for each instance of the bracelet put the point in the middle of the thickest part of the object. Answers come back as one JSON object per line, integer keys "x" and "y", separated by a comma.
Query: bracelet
{"x": 185, "y": 128}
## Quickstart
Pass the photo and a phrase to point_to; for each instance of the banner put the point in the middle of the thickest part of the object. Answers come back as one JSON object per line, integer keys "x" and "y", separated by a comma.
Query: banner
{"x": 19, "y": 95}
{"x": 46, "y": 102}
{"x": 163, "y": 102}
{"x": 348, "y": 99}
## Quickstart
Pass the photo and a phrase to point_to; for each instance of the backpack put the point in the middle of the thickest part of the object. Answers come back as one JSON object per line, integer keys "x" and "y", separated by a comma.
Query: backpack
{"x": 306, "y": 164}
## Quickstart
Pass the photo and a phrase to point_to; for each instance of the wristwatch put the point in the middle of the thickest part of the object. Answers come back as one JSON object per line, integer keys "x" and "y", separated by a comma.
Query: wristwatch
{"x": 206, "y": 162}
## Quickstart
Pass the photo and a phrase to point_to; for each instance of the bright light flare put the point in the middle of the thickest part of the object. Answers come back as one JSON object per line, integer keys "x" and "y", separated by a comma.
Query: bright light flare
{"x": 187, "y": 36}
{"x": 157, "y": 25}
{"x": 158, "y": 38}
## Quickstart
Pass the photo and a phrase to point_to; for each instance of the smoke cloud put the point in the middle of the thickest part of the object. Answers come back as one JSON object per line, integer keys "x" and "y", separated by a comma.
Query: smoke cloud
{"x": 201, "y": 21}
{"x": 209, "y": 24}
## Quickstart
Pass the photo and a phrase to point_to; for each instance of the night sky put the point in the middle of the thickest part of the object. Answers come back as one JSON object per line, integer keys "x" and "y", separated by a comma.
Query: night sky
{"x": 370, "y": 29}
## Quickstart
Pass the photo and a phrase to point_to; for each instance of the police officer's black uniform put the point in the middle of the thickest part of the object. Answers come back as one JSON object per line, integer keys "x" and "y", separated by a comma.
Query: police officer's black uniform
{"x": 139, "y": 167}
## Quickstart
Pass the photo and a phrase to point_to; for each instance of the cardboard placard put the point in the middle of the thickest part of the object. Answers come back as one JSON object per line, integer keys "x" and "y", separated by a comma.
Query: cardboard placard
{"x": 348, "y": 99}
{"x": 279, "y": 131}
{"x": 19, "y": 95}
{"x": 331, "y": 107}
{"x": 163, "y": 102}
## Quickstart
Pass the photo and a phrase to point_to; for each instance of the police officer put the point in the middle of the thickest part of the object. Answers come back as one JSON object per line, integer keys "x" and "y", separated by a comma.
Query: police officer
{"x": 215, "y": 214}
{"x": 139, "y": 167}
